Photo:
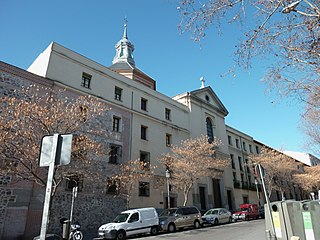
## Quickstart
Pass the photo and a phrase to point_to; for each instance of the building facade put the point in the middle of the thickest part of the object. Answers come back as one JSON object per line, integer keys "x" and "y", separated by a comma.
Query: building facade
{"x": 144, "y": 123}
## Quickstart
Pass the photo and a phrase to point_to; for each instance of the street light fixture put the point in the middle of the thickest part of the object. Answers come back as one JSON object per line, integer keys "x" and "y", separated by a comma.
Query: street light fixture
{"x": 168, "y": 175}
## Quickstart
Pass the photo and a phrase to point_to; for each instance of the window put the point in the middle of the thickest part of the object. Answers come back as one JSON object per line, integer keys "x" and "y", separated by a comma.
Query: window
{"x": 234, "y": 176}
{"x": 144, "y": 189}
{"x": 209, "y": 130}
{"x": 145, "y": 160}
{"x": 86, "y": 80}
{"x": 250, "y": 148}
{"x": 257, "y": 150}
{"x": 116, "y": 124}
{"x": 244, "y": 146}
{"x": 117, "y": 93}
{"x": 114, "y": 154}
{"x": 144, "y": 104}
{"x": 168, "y": 114}
{"x": 144, "y": 132}
{"x": 168, "y": 140}
{"x": 232, "y": 161}
{"x": 112, "y": 187}
{"x": 240, "y": 163}
{"x": 134, "y": 217}
{"x": 229, "y": 140}
{"x": 74, "y": 181}
{"x": 247, "y": 165}
{"x": 237, "y": 143}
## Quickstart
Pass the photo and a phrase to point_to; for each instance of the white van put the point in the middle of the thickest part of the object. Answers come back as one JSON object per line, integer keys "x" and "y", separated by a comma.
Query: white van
{"x": 131, "y": 222}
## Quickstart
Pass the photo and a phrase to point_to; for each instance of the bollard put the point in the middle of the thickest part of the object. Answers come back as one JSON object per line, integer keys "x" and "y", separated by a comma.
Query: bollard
{"x": 66, "y": 230}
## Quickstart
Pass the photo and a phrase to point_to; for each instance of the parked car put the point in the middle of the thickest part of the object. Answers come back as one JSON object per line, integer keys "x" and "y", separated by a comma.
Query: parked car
{"x": 216, "y": 216}
{"x": 246, "y": 212}
{"x": 131, "y": 222}
{"x": 174, "y": 218}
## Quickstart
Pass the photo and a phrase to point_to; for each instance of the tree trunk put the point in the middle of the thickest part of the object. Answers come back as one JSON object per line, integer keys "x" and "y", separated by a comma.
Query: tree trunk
{"x": 186, "y": 193}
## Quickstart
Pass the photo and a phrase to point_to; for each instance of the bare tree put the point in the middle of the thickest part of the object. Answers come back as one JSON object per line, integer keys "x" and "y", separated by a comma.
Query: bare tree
{"x": 311, "y": 127}
{"x": 285, "y": 31}
{"x": 310, "y": 179}
{"x": 132, "y": 175}
{"x": 279, "y": 169}
{"x": 192, "y": 160}
{"x": 36, "y": 112}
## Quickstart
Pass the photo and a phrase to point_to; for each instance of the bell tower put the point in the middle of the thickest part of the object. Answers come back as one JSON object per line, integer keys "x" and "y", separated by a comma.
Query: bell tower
{"x": 124, "y": 49}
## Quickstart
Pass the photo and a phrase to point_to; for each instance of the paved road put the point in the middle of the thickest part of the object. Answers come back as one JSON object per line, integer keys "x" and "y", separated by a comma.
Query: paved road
{"x": 251, "y": 230}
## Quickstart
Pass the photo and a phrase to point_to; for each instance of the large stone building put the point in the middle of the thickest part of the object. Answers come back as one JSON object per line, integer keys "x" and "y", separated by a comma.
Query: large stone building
{"x": 145, "y": 123}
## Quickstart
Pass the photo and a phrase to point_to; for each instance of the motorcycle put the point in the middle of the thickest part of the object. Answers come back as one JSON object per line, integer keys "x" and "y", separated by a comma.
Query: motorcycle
{"x": 75, "y": 233}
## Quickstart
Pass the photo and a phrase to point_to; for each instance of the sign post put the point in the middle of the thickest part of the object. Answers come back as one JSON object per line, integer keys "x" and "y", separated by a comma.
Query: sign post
{"x": 55, "y": 150}
{"x": 45, "y": 214}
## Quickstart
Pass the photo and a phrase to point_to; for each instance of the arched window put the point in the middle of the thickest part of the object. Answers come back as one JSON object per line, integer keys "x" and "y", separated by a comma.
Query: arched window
{"x": 209, "y": 130}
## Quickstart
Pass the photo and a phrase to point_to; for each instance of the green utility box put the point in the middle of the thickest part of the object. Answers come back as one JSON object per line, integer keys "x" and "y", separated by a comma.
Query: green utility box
{"x": 294, "y": 218}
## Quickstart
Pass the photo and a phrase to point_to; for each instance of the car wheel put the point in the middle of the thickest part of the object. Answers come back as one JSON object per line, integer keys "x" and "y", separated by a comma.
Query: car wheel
{"x": 154, "y": 230}
{"x": 246, "y": 218}
{"x": 121, "y": 235}
{"x": 196, "y": 224}
{"x": 171, "y": 227}
{"x": 216, "y": 221}
{"x": 230, "y": 219}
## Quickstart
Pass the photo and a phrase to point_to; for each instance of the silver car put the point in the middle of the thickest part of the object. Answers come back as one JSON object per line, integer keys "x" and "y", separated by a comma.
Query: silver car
{"x": 216, "y": 216}
{"x": 174, "y": 218}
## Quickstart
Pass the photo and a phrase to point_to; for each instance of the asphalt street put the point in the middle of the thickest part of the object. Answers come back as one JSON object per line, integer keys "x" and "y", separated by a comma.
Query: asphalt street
{"x": 246, "y": 230}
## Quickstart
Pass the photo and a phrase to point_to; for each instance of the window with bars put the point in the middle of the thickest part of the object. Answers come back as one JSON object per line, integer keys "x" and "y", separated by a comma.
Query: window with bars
{"x": 112, "y": 187}
{"x": 144, "y": 189}
{"x": 114, "y": 154}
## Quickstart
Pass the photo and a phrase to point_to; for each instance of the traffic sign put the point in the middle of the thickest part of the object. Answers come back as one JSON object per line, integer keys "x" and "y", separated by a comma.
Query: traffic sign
{"x": 63, "y": 150}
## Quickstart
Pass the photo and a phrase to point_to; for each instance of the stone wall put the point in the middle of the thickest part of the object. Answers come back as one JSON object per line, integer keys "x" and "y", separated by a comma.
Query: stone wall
{"x": 91, "y": 211}
{"x": 21, "y": 203}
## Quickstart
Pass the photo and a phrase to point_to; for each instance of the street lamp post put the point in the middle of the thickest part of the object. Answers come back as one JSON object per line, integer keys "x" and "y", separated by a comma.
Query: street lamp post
{"x": 168, "y": 186}
{"x": 258, "y": 195}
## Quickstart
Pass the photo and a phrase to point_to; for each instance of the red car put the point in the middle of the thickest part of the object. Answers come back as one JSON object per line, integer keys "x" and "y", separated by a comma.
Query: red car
{"x": 246, "y": 212}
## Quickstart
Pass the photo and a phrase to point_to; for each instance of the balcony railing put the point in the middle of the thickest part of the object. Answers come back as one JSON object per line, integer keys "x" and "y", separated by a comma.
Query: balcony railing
{"x": 245, "y": 185}
{"x": 236, "y": 184}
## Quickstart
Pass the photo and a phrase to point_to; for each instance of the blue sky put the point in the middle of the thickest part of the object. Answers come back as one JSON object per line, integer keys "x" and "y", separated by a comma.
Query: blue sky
{"x": 92, "y": 28}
